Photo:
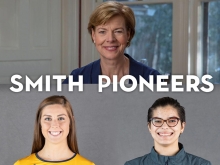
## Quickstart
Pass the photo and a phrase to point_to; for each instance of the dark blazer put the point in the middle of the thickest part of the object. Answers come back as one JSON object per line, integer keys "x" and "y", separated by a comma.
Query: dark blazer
{"x": 181, "y": 158}
{"x": 91, "y": 72}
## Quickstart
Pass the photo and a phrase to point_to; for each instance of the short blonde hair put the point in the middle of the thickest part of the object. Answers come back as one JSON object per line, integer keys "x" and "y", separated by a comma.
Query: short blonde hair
{"x": 108, "y": 10}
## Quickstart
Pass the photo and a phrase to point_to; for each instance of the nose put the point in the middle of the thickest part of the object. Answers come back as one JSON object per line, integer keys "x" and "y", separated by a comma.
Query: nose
{"x": 54, "y": 124}
{"x": 110, "y": 37}
{"x": 165, "y": 125}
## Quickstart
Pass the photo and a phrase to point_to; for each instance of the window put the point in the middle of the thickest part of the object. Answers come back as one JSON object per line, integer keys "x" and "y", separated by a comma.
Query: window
{"x": 152, "y": 43}
{"x": 211, "y": 40}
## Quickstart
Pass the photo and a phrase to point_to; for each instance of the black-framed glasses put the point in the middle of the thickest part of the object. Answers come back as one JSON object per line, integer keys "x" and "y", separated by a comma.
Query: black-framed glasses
{"x": 171, "y": 122}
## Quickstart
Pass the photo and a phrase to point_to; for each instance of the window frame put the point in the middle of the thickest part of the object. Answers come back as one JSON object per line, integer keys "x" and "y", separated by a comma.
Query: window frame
{"x": 195, "y": 51}
{"x": 70, "y": 36}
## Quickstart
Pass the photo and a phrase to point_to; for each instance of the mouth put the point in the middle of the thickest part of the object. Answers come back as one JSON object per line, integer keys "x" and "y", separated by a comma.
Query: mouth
{"x": 55, "y": 133}
{"x": 110, "y": 48}
{"x": 166, "y": 134}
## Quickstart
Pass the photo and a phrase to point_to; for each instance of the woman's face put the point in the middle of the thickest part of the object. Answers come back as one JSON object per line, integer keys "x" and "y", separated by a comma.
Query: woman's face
{"x": 111, "y": 38}
{"x": 55, "y": 124}
{"x": 166, "y": 135}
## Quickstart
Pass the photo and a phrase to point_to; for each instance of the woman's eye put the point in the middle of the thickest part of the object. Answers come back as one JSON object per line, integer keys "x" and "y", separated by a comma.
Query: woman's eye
{"x": 172, "y": 121}
{"x": 61, "y": 118}
{"x": 118, "y": 31}
{"x": 47, "y": 119}
{"x": 157, "y": 121}
{"x": 101, "y": 32}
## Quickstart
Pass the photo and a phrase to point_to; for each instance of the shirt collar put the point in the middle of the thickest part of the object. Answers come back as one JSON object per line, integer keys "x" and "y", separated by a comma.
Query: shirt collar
{"x": 173, "y": 159}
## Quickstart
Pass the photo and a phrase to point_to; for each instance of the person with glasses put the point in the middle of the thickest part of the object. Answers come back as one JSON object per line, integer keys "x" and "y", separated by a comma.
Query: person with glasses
{"x": 54, "y": 135}
{"x": 166, "y": 122}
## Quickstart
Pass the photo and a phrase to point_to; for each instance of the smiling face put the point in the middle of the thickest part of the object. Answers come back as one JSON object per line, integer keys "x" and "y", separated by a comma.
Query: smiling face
{"x": 111, "y": 38}
{"x": 55, "y": 124}
{"x": 166, "y": 136}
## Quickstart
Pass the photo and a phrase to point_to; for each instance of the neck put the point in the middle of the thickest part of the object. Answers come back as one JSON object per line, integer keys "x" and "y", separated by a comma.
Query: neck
{"x": 169, "y": 150}
{"x": 55, "y": 152}
{"x": 119, "y": 67}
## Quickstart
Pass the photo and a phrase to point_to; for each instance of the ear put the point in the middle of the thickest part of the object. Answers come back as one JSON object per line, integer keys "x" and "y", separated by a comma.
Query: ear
{"x": 183, "y": 127}
{"x": 149, "y": 127}
{"x": 93, "y": 35}
{"x": 129, "y": 33}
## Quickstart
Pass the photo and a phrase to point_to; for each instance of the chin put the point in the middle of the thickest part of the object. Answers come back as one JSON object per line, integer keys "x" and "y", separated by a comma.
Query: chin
{"x": 111, "y": 56}
{"x": 58, "y": 141}
{"x": 167, "y": 143}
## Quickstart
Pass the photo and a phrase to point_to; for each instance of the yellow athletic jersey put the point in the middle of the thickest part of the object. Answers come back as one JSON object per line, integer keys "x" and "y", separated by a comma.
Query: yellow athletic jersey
{"x": 34, "y": 159}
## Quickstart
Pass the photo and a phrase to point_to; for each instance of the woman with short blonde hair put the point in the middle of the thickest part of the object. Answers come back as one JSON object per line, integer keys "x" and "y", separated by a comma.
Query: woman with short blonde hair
{"x": 112, "y": 27}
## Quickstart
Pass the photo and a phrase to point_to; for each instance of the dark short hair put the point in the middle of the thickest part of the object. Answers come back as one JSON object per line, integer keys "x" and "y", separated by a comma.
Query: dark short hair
{"x": 164, "y": 101}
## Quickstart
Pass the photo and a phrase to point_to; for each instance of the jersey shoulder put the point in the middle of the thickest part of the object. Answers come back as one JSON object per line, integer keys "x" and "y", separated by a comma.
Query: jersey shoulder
{"x": 80, "y": 160}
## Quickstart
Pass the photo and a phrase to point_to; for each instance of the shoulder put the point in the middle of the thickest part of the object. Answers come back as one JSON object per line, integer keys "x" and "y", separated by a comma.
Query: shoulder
{"x": 25, "y": 160}
{"x": 196, "y": 160}
{"x": 141, "y": 68}
{"x": 138, "y": 69}
{"x": 88, "y": 71}
{"x": 138, "y": 161}
{"x": 84, "y": 70}
{"x": 80, "y": 160}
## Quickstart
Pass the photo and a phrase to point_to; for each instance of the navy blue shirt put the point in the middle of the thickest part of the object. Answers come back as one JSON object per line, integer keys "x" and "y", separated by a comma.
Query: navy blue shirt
{"x": 181, "y": 158}
{"x": 92, "y": 71}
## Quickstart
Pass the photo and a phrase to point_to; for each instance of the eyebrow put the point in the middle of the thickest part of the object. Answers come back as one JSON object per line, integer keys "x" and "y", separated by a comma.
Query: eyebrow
{"x": 57, "y": 115}
{"x": 62, "y": 115}
{"x": 101, "y": 28}
{"x": 167, "y": 118}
